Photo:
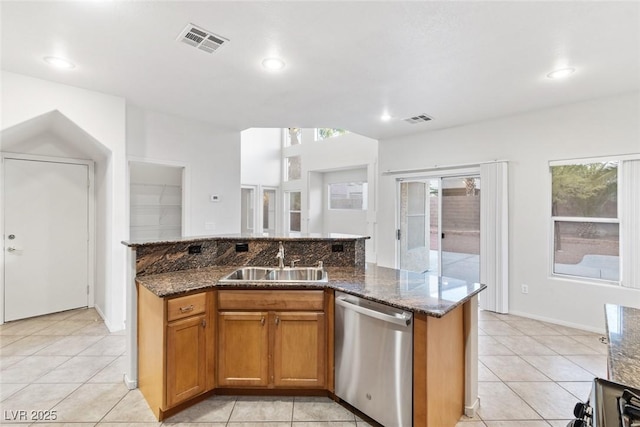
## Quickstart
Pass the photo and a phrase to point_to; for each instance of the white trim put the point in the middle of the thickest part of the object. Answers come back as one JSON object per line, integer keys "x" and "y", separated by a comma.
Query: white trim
{"x": 558, "y": 322}
{"x": 585, "y": 219}
{"x": 260, "y": 206}
{"x": 629, "y": 214}
{"x": 586, "y": 160}
{"x": 438, "y": 168}
{"x": 108, "y": 324}
{"x": 471, "y": 399}
{"x": 494, "y": 236}
{"x": 186, "y": 188}
{"x": 617, "y": 220}
{"x": 131, "y": 292}
{"x": 256, "y": 206}
{"x": 91, "y": 219}
{"x": 129, "y": 383}
{"x": 471, "y": 409}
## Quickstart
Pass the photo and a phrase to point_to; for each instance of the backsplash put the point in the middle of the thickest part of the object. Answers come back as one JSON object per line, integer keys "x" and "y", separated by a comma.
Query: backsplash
{"x": 166, "y": 257}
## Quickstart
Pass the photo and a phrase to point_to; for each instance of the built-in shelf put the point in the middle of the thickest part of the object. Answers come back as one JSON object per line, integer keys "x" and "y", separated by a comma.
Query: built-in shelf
{"x": 155, "y": 211}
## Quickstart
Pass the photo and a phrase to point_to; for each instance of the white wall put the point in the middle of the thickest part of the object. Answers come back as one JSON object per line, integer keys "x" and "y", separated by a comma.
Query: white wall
{"x": 261, "y": 156}
{"x": 529, "y": 141}
{"x": 343, "y": 220}
{"x": 211, "y": 158}
{"x": 102, "y": 117}
{"x": 346, "y": 151}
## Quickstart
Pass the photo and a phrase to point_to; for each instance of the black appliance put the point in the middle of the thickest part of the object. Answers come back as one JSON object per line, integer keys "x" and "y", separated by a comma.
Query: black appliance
{"x": 610, "y": 404}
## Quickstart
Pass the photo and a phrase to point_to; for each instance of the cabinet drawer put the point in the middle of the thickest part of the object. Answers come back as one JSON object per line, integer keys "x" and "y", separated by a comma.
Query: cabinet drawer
{"x": 271, "y": 300}
{"x": 181, "y": 307}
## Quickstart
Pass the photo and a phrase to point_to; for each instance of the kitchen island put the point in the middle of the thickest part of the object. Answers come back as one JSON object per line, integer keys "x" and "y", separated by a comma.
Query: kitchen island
{"x": 444, "y": 343}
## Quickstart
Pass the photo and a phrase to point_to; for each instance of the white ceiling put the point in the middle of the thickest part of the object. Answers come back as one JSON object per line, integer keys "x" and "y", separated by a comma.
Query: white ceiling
{"x": 347, "y": 62}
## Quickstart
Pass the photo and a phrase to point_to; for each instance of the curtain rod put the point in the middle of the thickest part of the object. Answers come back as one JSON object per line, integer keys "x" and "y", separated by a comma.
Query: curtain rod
{"x": 438, "y": 167}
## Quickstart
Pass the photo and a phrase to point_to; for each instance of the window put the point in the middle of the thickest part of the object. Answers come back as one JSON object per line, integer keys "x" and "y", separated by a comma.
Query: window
{"x": 269, "y": 211}
{"x": 292, "y": 136}
{"x": 348, "y": 195}
{"x": 585, "y": 220}
{"x": 293, "y": 168}
{"x": 326, "y": 133}
{"x": 295, "y": 213}
{"x": 247, "y": 210}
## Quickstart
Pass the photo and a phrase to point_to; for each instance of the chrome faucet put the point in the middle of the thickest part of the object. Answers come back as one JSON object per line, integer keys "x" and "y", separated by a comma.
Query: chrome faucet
{"x": 280, "y": 255}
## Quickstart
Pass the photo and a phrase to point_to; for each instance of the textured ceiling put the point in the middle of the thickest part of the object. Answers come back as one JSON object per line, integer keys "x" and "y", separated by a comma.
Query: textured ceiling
{"x": 347, "y": 62}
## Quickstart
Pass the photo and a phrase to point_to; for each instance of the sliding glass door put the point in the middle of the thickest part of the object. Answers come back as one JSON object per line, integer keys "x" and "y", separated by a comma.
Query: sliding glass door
{"x": 460, "y": 231}
{"x": 439, "y": 226}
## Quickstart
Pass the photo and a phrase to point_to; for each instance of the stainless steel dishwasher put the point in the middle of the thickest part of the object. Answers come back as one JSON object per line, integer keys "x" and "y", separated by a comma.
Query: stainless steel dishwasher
{"x": 374, "y": 359}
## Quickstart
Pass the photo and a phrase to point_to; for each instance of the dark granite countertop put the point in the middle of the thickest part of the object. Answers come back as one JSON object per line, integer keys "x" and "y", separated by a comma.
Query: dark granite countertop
{"x": 244, "y": 236}
{"x": 623, "y": 331}
{"x": 421, "y": 293}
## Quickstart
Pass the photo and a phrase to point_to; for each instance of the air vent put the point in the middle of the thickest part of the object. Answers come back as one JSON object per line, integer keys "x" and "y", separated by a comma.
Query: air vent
{"x": 418, "y": 119}
{"x": 201, "y": 39}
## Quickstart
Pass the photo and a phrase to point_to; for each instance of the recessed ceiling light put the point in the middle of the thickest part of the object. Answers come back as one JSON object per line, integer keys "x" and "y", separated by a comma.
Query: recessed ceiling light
{"x": 273, "y": 64}
{"x": 385, "y": 117}
{"x": 561, "y": 73}
{"x": 59, "y": 62}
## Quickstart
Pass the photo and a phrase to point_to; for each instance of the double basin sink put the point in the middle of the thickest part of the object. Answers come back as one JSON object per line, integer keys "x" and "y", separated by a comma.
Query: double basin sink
{"x": 274, "y": 274}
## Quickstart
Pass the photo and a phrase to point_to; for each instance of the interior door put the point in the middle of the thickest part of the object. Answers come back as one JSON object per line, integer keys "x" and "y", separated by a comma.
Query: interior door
{"x": 46, "y": 237}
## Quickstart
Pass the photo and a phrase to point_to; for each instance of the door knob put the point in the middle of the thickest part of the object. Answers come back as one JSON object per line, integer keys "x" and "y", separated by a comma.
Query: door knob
{"x": 11, "y": 249}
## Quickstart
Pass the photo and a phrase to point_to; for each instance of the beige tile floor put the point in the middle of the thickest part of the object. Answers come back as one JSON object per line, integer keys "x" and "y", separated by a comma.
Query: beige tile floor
{"x": 531, "y": 375}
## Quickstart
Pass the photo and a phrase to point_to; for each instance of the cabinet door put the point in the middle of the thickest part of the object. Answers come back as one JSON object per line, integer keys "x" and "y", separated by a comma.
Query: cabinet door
{"x": 299, "y": 354}
{"x": 186, "y": 359}
{"x": 243, "y": 349}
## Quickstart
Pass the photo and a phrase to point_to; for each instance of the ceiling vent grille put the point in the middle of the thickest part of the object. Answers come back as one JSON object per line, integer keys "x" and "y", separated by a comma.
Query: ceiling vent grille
{"x": 418, "y": 119}
{"x": 201, "y": 39}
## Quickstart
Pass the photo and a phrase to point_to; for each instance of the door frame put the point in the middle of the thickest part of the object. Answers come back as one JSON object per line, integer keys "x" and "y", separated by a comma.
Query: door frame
{"x": 186, "y": 189}
{"x": 91, "y": 244}
{"x": 438, "y": 174}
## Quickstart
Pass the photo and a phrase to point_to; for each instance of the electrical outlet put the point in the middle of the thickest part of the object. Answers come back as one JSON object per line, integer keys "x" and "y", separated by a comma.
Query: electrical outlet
{"x": 525, "y": 289}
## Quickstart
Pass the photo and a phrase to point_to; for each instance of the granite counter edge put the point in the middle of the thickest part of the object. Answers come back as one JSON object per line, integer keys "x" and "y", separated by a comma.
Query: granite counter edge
{"x": 212, "y": 283}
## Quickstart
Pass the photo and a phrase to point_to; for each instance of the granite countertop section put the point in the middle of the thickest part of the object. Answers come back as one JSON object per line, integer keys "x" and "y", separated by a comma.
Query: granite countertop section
{"x": 623, "y": 331}
{"x": 245, "y": 236}
{"x": 420, "y": 293}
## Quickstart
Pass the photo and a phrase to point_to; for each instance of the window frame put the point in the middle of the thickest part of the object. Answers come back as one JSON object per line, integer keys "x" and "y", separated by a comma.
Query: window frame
{"x": 584, "y": 219}
{"x": 289, "y": 211}
{"x": 316, "y": 134}
{"x": 286, "y": 166}
{"x": 365, "y": 199}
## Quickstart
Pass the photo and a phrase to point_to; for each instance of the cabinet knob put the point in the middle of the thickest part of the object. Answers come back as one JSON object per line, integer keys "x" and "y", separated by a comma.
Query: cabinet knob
{"x": 204, "y": 323}
{"x": 277, "y": 320}
{"x": 262, "y": 321}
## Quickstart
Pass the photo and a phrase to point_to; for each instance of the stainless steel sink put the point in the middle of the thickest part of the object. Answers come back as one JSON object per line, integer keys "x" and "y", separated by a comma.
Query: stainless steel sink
{"x": 299, "y": 274}
{"x": 248, "y": 273}
{"x": 266, "y": 274}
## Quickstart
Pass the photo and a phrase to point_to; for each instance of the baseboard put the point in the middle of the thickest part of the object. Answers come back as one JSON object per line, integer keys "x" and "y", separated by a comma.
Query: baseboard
{"x": 470, "y": 411}
{"x": 558, "y": 322}
{"x": 112, "y": 328}
{"x": 130, "y": 384}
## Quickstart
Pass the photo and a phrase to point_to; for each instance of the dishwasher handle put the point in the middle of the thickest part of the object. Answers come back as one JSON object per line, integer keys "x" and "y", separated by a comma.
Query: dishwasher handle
{"x": 403, "y": 320}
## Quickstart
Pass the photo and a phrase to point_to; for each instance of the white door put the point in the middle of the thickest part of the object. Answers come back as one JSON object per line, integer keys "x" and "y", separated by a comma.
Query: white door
{"x": 46, "y": 237}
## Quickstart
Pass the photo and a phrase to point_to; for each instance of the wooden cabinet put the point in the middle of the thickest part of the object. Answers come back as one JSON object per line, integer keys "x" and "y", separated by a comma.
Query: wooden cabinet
{"x": 274, "y": 339}
{"x": 186, "y": 359}
{"x": 175, "y": 348}
{"x": 299, "y": 350}
{"x": 243, "y": 354}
